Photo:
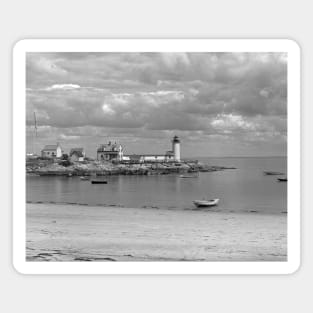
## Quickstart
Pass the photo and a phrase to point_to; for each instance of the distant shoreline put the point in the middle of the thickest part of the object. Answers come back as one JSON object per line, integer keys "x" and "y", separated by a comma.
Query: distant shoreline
{"x": 50, "y": 167}
{"x": 238, "y": 157}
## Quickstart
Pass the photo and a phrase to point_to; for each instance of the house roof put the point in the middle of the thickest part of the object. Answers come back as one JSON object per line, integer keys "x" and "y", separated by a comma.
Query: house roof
{"x": 109, "y": 147}
{"x": 153, "y": 155}
{"x": 107, "y": 152}
{"x": 50, "y": 147}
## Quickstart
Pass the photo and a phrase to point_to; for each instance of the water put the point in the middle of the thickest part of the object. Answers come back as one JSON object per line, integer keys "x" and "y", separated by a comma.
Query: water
{"x": 243, "y": 189}
{"x": 176, "y": 232}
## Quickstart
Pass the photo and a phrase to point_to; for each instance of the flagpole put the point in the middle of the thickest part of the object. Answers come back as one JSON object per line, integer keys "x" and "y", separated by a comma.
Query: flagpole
{"x": 35, "y": 130}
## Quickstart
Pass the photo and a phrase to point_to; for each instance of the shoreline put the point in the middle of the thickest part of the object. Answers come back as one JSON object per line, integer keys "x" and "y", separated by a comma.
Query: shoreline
{"x": 70, "y": 232}
{"x": 57, "y": 167}
{"x": 153, "y": 206}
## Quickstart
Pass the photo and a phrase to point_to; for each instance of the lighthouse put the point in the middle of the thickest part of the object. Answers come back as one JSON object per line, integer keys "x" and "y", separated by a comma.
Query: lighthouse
{"x": 176, "y": 148}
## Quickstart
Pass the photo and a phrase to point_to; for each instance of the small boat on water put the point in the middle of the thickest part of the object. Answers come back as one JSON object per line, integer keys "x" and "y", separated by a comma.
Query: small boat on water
{"x": 84, "y": 178}
{"x": 272, "y": 173}
{"x": 206, "y": 203}
{"x": 188, "y": 176}
{"x": 282, "y": 179}
{"x": 98, "y": 181}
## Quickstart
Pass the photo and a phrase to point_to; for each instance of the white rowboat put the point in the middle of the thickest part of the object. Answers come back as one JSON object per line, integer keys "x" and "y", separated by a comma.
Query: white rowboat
{"x": 206, "y": 203}
{"x": 188, "y": 176}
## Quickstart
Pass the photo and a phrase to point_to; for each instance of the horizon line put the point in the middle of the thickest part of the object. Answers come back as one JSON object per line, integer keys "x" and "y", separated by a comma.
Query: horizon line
{"x": 238, "y": 156}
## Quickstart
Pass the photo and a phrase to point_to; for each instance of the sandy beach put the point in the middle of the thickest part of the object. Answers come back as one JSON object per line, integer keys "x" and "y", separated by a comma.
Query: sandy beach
{"x": 63, "y": 232}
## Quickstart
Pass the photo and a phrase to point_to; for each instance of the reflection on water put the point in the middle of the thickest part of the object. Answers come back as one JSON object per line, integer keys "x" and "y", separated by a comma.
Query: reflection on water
{"x": 245, "y": 188}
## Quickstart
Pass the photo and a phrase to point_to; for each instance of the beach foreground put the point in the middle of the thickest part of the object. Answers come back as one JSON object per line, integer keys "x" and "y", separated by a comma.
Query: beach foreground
{"x": 62, "y": 232}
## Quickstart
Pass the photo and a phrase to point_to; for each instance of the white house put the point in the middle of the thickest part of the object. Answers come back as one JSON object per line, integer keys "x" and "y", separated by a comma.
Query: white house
{"x": 52, "y": 151}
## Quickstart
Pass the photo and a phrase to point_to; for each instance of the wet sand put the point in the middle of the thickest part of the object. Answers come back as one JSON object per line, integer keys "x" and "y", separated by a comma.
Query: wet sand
{"x": 63, "y": 232}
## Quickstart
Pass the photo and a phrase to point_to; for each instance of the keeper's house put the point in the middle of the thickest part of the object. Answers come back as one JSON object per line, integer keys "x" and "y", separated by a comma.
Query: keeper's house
{"x": 52, "y": 151}
{"x": 109, "y": 152}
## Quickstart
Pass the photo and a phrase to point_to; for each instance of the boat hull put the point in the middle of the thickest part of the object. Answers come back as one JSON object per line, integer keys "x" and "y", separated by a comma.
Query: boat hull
{"x": 188, "y": 176}
{"x": 272, "y": 173}
{"x": 206, "y": 203}
{"x": 99, "y": 182}
{"x": 282, "y": 179}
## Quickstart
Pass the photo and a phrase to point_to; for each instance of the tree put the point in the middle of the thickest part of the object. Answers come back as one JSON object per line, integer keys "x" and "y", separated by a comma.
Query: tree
{"x": 65, "y": 156}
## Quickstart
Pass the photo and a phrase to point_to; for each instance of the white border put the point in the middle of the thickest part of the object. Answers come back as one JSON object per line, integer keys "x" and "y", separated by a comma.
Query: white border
{"x": 156, "y": 45}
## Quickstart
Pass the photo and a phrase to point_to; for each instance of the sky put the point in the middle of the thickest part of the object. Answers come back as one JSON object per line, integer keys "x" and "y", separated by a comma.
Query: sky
{"x": 219, "y": 104}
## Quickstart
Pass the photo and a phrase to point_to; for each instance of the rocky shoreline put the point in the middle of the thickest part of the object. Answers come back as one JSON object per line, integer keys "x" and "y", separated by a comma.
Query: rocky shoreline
{"x": 91, "y": 168}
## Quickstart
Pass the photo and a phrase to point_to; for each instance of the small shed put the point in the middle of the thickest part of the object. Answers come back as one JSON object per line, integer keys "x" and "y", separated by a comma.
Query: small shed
{"x": 77, "y": 154}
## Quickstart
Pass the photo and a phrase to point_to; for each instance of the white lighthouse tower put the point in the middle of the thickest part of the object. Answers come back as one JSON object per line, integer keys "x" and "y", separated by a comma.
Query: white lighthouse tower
{"x": 176, "y": 148}
{"x": 120, "y": 153}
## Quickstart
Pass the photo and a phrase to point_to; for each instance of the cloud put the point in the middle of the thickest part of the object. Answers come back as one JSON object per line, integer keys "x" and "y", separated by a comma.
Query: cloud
{"x": 229, "y": 122}
{"x": 62, "y": 86}
{"x": 49, "y": 66}
{"x": 203, "y": 97}
{"x": 264, "y": 93}
{"x": 107, "y": 109}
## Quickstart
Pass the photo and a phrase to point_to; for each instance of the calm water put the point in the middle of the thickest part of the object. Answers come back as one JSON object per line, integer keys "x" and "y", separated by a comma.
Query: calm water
{"x": 242, "y": 189}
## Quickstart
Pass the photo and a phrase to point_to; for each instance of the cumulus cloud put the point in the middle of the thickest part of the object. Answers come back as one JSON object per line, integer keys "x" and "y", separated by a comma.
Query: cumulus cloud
{"x": 48, "y": 66}
{"x": 137, "y": 97}
{"x": 228, "y": 122}
{"x": 107, "y": 109}
{"x": 62, "y": 86}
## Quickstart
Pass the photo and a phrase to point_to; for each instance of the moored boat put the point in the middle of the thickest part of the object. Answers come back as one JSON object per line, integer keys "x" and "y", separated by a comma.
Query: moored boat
{"x": 98, "y": 181}
{"x": 282, "y": 179}
{"x": 272, "y": 173}
{"x": 188, "y": 176}
{"x": 206, "y": 203}
{"x": 84, "y": 178}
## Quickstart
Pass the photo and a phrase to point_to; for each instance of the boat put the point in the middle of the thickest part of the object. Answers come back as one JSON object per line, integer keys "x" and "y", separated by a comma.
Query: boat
{"x": 96, "y": 181}
{"x": 188, "y": 176}
{"x": 206, "y": 203}
{"x": 272, "y": 173}
{"x": 84, "y": 178}
{"x": 194, "y": 174}
{"x": 282, "y": 179}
